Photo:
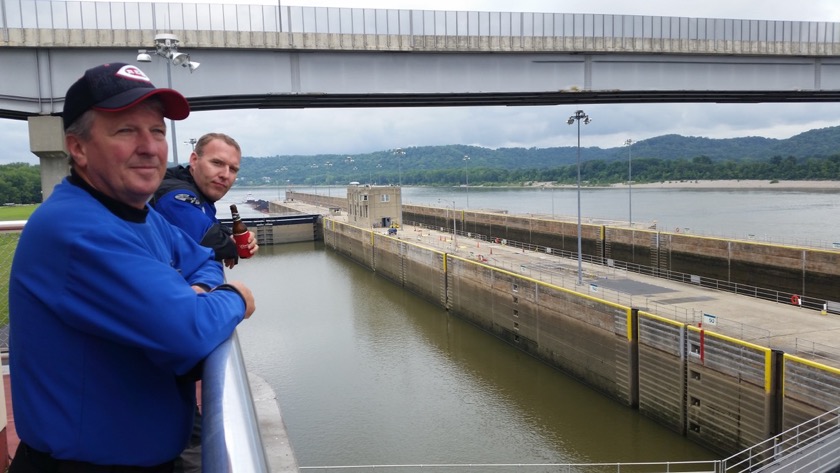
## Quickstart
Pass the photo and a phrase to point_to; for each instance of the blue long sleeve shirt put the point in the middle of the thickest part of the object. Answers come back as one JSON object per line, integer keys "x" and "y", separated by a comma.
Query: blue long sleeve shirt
{"x": 103, "y": 322}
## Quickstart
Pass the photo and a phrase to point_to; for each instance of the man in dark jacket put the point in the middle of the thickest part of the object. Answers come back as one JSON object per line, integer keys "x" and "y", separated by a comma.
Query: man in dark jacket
{"x": 187, "y": 198}
{"x": 188, "y": 195}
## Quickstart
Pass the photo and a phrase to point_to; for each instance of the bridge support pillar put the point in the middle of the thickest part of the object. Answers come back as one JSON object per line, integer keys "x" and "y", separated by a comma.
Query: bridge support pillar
{"x": 46, "y": 140}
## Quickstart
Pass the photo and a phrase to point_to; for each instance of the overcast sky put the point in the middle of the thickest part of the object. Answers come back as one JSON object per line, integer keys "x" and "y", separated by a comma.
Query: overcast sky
{"x": 355, "y": 131}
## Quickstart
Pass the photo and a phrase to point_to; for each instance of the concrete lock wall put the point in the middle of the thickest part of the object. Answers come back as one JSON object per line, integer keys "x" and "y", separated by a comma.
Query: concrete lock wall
{"x": 729, "y": 392}
{"x": 661, "y": 370}
{"x": 808, "y": 272}
{"x": 570, "y": 331}
{"x": 714, "y": 389}
{"x": 721, "y": 392}
{"x": 809, "y": 389}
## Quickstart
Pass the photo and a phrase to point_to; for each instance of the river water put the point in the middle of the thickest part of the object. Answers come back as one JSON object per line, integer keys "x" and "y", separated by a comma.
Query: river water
{"x": 366, "y": 373}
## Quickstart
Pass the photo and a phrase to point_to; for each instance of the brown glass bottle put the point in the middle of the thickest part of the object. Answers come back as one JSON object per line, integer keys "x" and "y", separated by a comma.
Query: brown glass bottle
{"x": 240, "y": 233}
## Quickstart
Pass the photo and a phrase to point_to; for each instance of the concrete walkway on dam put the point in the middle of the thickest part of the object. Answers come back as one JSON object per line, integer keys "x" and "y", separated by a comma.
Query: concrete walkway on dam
{"x": 782, "y": 326}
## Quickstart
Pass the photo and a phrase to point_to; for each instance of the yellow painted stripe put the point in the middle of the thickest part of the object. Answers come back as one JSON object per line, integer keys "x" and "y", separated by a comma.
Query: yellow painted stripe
{"x": 813, "y": 364}
{"x": 768, "y": 370}
{"x": 661, "y": 319}
{"x": 711, "y": 333}
{"x": 768, "y": 353}
{"x": 629, "y": 324}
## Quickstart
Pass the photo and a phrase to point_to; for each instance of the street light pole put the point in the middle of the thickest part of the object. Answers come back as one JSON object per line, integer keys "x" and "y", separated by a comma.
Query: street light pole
{"x": 400, "y": 153}
{"x": 577, "y": 117}
{"x": 629, "y": 143}
{"x": 166, "y": 46}
{"x": 328, "y": 166}
{"x": 171, "y": 121}
{"x": 454, "y": 229}
{"x": 467, "y": 177}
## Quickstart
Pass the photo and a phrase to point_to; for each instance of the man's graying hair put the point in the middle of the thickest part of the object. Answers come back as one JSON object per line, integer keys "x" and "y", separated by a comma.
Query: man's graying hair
{"x": 207, "y": 138}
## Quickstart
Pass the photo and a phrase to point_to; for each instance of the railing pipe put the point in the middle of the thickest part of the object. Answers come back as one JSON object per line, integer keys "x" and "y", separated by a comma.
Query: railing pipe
{"x": 230, "y": 439}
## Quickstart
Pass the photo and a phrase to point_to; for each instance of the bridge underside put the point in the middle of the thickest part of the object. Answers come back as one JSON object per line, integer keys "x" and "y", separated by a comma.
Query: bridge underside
{"x": 506, "y": 99}
{"x": 268, "y": 79}
{"x": 513, "y": 99}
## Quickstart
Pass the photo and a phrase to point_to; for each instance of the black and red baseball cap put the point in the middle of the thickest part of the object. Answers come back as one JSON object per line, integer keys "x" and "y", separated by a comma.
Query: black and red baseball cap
{"x": 115, "y": 87}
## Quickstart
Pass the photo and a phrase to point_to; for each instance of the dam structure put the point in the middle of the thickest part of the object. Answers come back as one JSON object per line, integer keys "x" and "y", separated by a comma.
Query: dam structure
{"x": 725, "y": 369}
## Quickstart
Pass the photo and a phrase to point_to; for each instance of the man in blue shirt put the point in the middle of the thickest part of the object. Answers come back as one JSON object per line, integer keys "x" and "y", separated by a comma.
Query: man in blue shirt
{"x": 188, "y": 195}
{"x": 111, "y": 307}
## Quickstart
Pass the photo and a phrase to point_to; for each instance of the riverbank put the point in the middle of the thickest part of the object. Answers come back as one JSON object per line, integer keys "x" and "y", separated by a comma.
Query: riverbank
{"x": 718, "y": 184}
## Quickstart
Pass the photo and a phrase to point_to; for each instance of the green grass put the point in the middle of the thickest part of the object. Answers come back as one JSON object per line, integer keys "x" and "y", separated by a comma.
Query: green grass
{"x": 16, "y": 212}
{"x": 8, "y": 243}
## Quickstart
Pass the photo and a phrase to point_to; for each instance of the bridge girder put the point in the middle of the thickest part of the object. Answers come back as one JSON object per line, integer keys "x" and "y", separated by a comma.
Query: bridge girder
{"x": 511, "y": 99}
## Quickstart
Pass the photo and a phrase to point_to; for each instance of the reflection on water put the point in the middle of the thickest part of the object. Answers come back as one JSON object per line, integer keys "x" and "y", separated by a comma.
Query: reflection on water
{"x": 367, "y": 373}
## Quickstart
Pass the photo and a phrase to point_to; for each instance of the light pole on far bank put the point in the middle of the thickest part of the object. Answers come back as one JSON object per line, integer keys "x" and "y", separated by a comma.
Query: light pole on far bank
{"x": 577, "y": 117}
{"x": 454, "y": 228}
{"x": 328, "y": 166}
{"x": 629, "y": 143}
{"x": 399, "y": 152}
{"x": 467, "y": 177}
{"x": 192, "y": 142}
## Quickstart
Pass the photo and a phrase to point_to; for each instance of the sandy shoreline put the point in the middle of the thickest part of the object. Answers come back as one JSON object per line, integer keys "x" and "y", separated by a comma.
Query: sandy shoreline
{"x": 721, "y": 184}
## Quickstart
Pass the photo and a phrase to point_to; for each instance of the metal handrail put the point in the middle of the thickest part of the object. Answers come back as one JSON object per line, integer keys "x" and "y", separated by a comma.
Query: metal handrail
{"x": 792, "y": 448}
{"x": 700, "y": 466}
{"x": 230, "y": 437}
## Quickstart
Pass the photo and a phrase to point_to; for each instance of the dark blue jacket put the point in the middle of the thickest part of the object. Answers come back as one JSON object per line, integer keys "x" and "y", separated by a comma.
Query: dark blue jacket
{"x": 182, "y": 203}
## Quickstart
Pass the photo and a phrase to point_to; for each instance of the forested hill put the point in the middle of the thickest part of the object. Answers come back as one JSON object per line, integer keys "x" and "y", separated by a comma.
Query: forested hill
{"x": 441, "y": 164}
{"x": 822, "y": 142}
{"x": 813, "y": 155}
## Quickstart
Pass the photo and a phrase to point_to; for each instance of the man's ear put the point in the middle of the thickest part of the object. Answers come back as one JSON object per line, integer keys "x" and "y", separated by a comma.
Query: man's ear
{"x": 76, "y": 149}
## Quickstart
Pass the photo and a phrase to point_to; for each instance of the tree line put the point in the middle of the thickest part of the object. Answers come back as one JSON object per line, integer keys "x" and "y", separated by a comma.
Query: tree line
{"x": 593, "y": 172}
{"x": 20, "y": 183}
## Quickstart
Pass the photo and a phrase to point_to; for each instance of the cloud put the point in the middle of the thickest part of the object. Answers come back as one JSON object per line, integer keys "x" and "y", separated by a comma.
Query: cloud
{"x": 353, "y": 131}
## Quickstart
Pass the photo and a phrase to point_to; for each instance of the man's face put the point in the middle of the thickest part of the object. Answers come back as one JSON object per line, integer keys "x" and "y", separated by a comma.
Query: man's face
{"x": 125, "y": 157}
{"x": 215, "y": 170}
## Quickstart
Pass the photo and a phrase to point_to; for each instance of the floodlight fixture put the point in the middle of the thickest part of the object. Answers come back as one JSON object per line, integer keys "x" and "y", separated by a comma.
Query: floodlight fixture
{"x": 179, "y": 59}
{"x": 143, "y": 56}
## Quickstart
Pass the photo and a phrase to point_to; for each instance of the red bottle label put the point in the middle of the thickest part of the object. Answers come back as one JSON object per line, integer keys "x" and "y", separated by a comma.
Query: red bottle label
{"x": 241, "y": 240}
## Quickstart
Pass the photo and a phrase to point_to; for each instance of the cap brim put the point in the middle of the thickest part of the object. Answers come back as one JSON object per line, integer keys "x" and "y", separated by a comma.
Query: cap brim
{"x": 175, "y": 105}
